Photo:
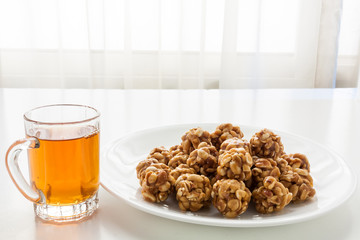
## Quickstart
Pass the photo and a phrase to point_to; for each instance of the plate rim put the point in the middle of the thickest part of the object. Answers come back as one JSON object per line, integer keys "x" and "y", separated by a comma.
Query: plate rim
{"x": 230, "y": 222}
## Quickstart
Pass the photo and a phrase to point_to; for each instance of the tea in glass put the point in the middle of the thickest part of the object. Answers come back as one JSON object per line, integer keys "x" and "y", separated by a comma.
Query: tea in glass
{"x": 62, "y": 142}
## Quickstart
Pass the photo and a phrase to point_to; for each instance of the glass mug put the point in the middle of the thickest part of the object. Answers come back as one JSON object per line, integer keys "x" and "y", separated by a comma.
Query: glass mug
{"x": 62, "y": 142}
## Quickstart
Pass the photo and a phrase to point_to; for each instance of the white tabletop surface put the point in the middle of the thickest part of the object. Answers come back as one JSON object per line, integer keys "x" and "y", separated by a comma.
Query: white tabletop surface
{"x": 328, "y": 116}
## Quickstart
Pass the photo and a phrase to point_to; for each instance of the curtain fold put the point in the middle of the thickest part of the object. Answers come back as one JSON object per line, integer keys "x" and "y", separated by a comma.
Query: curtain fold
{"x": 176, "y": 44}
{"x": 329, "y": 31}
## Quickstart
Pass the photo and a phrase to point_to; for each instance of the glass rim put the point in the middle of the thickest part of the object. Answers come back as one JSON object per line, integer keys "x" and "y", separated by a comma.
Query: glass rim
{"x": 27, "y": 118}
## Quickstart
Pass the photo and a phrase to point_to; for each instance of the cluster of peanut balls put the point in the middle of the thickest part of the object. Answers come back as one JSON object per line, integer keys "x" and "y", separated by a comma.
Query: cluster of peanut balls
{"x": 227, "y": 170}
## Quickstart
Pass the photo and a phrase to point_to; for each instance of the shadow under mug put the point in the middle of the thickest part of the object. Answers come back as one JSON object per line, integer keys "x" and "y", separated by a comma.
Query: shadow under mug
{"x": 62, "y": 142}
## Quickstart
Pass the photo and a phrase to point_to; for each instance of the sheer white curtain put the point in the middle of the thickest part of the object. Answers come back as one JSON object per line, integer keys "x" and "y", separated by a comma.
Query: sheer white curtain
{"x": 177, "y": 43}
{"x": 349, "y": 45}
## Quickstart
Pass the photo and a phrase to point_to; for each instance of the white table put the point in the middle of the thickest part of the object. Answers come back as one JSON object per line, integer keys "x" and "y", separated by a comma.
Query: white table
{"x": 328, "y": 116}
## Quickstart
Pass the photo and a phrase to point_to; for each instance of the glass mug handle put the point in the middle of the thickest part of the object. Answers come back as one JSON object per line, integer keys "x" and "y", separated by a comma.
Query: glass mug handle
{"x": 12, "y": 165}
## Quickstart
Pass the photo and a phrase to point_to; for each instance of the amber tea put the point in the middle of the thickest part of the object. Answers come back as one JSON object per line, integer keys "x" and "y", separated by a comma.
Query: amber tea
{"x": 62, "y": 142}
{"x": 66, "y": 171}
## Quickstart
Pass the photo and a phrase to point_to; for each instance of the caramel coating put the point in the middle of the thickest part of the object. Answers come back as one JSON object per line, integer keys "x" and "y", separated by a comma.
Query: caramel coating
{"x": 177, "y": 160}
{"x": 204, "y": 159}
{"x": 297, "y": 160}
{"x": 235, "y": 164}
{"x": 266, "y": 144}
{"x": 176, "y": 149}
{"x": 192, "y": 138}
{"x": 234, "y": 143}
{"x": 264, "y": 167}
{"x": 193, "y": 192}
{"x": 282, "y": 164}
{"x": 141, "y": 167}
{"x": 223, "y": 132}
{"x": 161, "y": 154}
{"x": 157, "y": 183}
{"x": 230, "y": 197}
{"x": 271, "y": 196}
{"x": 180, "y": 170}
{"x": 299, "y": 182}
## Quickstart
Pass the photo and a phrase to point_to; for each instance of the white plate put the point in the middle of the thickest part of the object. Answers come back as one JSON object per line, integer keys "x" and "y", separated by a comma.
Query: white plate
{"x": 329, "y": 171}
